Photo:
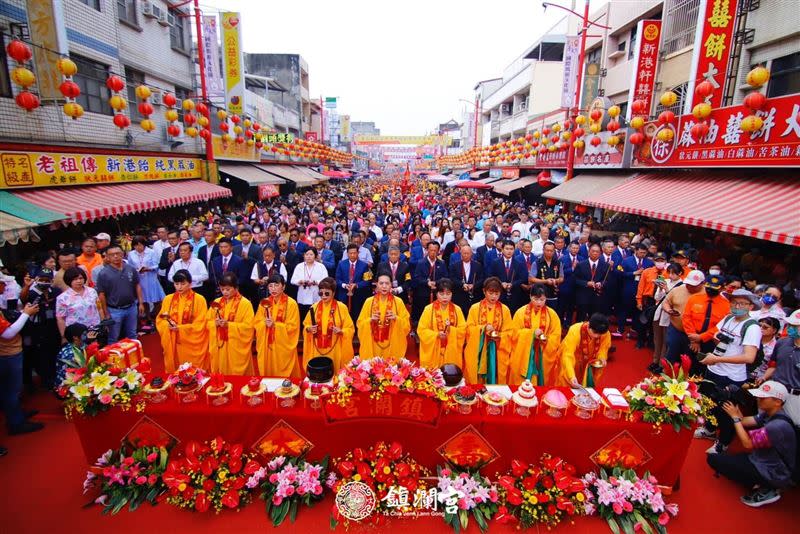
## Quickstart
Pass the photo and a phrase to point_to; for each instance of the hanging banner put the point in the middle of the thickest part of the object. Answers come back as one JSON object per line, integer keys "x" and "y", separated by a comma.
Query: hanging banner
{"x": 47, "y": 30}
{"x": 312, "y": 136}
{"x": 571, "y": 52}
{"x": 713, "y": 44}
{"x": 234, "y": 62}
{"x": 775, "y": 144}
{"x": 234, "y": 151}
{"x": 214, "y": 84}
{"x": 266, "y": 191}
{"x": 504, "y": 172}
{"x": 49, "y": 169}
{"x": 645, "y": 61}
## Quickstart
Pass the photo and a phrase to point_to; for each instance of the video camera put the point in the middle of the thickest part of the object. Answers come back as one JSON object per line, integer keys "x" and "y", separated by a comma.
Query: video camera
{"x": 99, "y": 333}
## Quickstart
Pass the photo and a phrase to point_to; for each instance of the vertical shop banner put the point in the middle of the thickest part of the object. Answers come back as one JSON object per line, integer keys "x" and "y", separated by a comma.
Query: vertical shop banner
{"x": 713, "y": 44}
{"x": 645, "y": 62}
{"x": 214, "y": 83}
{"x": 47, "y": 30}
{"x": 234, "y": 61}
{"x": 571, "y": 52}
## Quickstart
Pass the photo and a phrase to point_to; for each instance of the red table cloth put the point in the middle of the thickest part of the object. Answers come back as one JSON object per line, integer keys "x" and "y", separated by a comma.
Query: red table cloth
{"x": 512, "y": 436}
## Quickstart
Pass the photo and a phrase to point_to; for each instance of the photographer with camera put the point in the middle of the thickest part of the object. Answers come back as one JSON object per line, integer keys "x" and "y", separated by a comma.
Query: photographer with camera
{"x": 738, "y": 340}
{"x": 786, "y": 360}
{"x": 41, "y": 338}
{"x": 770, "y": 460}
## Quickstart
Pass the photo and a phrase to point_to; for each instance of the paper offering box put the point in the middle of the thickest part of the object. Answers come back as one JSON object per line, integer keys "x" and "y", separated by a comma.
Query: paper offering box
{"x": 124, "y": 353}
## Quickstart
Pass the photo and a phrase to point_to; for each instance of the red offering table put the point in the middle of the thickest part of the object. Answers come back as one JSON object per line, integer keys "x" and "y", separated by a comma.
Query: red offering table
{"x": 576, "y": 440}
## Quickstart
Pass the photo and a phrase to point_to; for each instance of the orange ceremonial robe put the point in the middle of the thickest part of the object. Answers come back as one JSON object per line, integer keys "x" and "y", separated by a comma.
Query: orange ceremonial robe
{"x": 190, "y": 342}
{"x": 393, "y": 347}
{"x": 340, "y": 349}
{"x": 433, "y": 353}
{"x": 524, "y": 338}
{"x": 277, "y": 346}
{"x": 234, "y": 356}
{"x": 573, "y": 361}
{"x": 475, "y": 333}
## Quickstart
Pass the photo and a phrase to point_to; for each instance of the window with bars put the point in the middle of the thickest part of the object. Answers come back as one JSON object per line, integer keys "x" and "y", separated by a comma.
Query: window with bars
{"x": 677, "y": 108}
{"x": 91, "y": 78}
{"x": 127, "y": 11}
{"x": 632, "y": 41}
{"x": 181, "y": 94}
{"x": 784, "y": 76}
{"x": 94, "y": 4}
{"x": 177, "y": 32}
{"x": 680, "y": 22}
{"x": 133, "y": 79}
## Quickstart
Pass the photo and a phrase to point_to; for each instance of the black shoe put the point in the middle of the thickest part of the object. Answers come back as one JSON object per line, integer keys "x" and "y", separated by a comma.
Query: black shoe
{"x": 31, "y": 413}
{"x": 655, "y": 368}
{"x": 25, "y": 428}
{"x": 3, "y": 451}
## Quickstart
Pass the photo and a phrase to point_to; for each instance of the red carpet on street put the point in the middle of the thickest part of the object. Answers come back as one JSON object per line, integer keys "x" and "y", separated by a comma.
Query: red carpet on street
{"x": 42, "y": 478}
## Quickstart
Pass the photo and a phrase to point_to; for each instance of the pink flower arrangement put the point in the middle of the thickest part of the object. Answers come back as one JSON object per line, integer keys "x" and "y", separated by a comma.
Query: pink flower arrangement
{"x": 287, "y": 483}
{"x": 378, "y": 376}
{"x": 463, "y": 494}
{"x": 628, "y": 503}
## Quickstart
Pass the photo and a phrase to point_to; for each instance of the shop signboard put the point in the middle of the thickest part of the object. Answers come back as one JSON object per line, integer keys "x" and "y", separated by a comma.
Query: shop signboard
{"x": 645, "y": 61}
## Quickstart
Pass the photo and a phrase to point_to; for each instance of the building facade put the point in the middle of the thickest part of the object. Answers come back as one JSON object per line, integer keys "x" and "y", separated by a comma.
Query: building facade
{"x": 291, "y": 72}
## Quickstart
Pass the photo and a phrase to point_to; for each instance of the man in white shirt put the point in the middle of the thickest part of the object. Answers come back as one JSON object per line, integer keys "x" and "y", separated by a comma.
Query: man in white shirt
{"x": 479, "y": 239}
{"x": 264, "y": 269}
{"x": 523, "y": 226}
{"x": 161, "y": 243}
{"x": 451, "y": 234}
{"x": 374, "y": 228}
{"x": 538, "y": 245}
{"x": 364, "y": 254}
{"x": 195, "y": 267}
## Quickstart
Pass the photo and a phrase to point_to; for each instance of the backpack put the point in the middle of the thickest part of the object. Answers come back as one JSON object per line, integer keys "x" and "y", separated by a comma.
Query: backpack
{"x": 796, "y": 470}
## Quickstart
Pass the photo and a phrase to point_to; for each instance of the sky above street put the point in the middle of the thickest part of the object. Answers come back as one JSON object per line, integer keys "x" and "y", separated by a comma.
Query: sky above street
{"x": 403, "y": 64}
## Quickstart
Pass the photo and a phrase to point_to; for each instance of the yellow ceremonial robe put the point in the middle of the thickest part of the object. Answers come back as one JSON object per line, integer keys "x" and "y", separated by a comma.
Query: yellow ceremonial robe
{"x": 574, "y": 361}
{"x": 341, "y": 348}
{"x": 190, "y": 342}
{"x": 278, "y": 356}
{"x": 523, "y": 339}
{"x": 394, "y": 346}
{"x": 432, "y": 353}
{"x": 475, "y": 334}
{"x": 234, "y": 356}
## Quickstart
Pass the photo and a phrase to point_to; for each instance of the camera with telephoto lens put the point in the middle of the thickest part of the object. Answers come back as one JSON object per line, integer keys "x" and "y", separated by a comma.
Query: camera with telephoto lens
{"x": 99, "y": 333}
{"x": 724, "y": 339}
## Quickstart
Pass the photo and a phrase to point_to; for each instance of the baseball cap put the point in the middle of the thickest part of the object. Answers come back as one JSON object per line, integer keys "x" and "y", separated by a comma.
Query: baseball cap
{"x": 44, "y": 272}
{"x": 771, "y": 389}
{"x": 695, "y": 278}
{"x": 714, "y": 282}
{"x": 679, "y": 254}
{"x": 659, "y": 256}
{"x": 102, "y": 236}
{"x": 793, "y": 318}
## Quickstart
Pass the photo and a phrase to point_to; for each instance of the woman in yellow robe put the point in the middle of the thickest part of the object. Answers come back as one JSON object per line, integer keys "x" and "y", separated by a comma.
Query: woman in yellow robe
{"x": 383, "y": 324}
{"x": 584, "y": 352}
{"x": 328, "y": 329}
{"x": 230, "y": 330}
{"x": 489, "y": 337}
{"x": 532, "y": 357}
{"x": 182, "y": 326}
{"x": 441, "y": 330}
{"x": 277, "y": 332}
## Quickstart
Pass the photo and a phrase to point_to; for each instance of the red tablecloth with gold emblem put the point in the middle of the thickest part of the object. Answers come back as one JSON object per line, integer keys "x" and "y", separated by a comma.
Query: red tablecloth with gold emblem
{"x": 584, "y": 443}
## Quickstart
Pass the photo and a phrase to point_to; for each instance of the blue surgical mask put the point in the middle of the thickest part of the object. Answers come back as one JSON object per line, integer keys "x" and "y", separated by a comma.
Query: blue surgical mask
{"x": 739, "y": 312}
{"x": 768, "y": 300}
{"x": 793, "y": 332}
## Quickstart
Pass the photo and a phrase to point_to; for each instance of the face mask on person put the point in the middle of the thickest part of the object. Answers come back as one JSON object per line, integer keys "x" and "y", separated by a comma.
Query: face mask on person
{"x": 660, "y": 265}
{"x": 768, "y": 300}
{"x": 739, "y": 312}
{"x": 793, "y": 332}
{"x": 712, "y": 292}
{"x": 714, "y": 272}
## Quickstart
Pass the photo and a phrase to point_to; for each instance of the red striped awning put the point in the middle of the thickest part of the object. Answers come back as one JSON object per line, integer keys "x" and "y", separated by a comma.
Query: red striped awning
{"x": 763, "y": 206}
{"x": 98, "y": 201}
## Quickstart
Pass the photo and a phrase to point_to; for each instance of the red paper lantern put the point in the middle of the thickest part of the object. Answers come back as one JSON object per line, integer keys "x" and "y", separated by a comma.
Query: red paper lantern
{"x": 639, "y": 107}
{"x": 173, "y": 130}
{"x": 189, "y": 119}
{"x": 544, "y": 178}
{"x": 202, "y": 109}
{"x": 666, "y": 117}
{"x": 256, "y": 126}
{"x": 545, "y": 131}
{"x": 69, "y": 89}
{"x": 121, "y": 121}
{"x": 755, "y": 101}
{"x": 169, "y": 100}
{"x": 273, "y": 149}
{"x": 613, "y": 126}
{"x": 581, "y": 209}
{"x": 19, "y": 51}
{"x": 259, "y": 145}
{"x": 115, "y": 83}
{"x": 596, "y": 141}
{"x": 596, "y": 115}
{"x": 235, "y": 119}
{"x": 145, "y": 108}
{"x": 637, "y": 138}
{"x": 27, "y": 100}
{"x": 224, "y": 126}
{"x": 551, "y": 202}
{"x": 579, "y": 132}
{"x": 704, "y": 89}
{"x": 205, "y": 133}
{"x": 699, "y": 130}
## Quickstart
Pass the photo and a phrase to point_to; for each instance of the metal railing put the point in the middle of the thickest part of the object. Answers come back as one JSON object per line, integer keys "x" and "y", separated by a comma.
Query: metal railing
{"x": 680, "y": 23}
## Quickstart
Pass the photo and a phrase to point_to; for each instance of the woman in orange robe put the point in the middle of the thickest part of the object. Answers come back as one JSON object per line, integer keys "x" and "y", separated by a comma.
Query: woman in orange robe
{"x": 277, "y": 327}
{"x": 537, "y": 336}
{"x": 182, "y": 326}
{"x": 383, "y": 324}
{"x": 230, "y": 330}
{"x": 441, "y": 330}
{"x": 328, "y": 329}
{"x": 489, "y": 337}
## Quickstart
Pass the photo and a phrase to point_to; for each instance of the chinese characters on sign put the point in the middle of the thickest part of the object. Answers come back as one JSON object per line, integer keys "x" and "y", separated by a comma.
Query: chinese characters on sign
{"x": 211, "y": 57}
{"x": 603, "y": 156}
{"x": 645, "y": 61}
{"x": 570, "y": 72}
{"x": 233, "y": 61}
{"x": 405, "y": 407}
{"x": 504, "y": 172}
{"x": 279, "y": 138}
{"x": 777, "y": 143}
{"x": 47, "y": 169}
{"x": 266, "y": 191}
{"x": 712, "y": 49}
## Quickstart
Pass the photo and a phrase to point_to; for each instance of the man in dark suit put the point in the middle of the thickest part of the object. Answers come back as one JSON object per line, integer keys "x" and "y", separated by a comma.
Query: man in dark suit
{"x": 295, "y": 245}
{"x": 589, "y": 277}
{"x": 334, "y": 246}
{"x": 354, "y": 277}
{"x": 630, "y": 272}
{"x": 399, "y": 271}
{"x": 206, "y": 253}
{"x": 566, "y": 291}
{"x": 427, "y": 272}
{"x": 486, "y": 254}
{"x": 467, "y": 277}
{"x": 226, "y": 262}
{"x": 168, "y": 257}
{"x": 250, "y": 253}
{"x": 290, "y": 260}
{"x": 512, "y": 275}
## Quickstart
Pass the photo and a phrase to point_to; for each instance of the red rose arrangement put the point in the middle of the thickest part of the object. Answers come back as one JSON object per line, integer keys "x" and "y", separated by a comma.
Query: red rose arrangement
{"x": 210, "y": 475}
{"x": 386, "y": 469}
{"x": 534, "y": 494}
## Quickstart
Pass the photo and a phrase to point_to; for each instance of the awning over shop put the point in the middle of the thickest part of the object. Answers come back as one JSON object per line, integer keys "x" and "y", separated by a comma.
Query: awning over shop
{"x": 586, "y": 185}
{"x": 32, "y": 214}
{"x": 438, "y": 178}
{"x": 250, "y": 173}
{"x": 92, "y": 202}
{"x": 13, "y": 230}
{"x": 290, "y": 173}
{"x": 318, "y": 176}
{"x": 489, "y": 180}
{"x": 505, "y": 187}
{"x": 745, "y": 203}
{"x": 478, "y": 174}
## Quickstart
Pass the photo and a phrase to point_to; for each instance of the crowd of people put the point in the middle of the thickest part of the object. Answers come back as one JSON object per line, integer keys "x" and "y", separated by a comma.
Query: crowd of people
{"x": 506, "y": 291}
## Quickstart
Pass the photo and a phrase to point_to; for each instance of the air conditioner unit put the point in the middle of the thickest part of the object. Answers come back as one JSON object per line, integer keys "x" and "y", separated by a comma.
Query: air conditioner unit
{"x": 156, "y": 98}
{"x": 505, "y": 108}
{"x": 165, "y": 18}
{"x": 170, "y": 19}
{"x": 157, "y": 12}
{"x": 147, "y": 9}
